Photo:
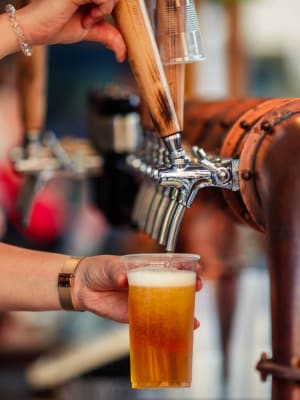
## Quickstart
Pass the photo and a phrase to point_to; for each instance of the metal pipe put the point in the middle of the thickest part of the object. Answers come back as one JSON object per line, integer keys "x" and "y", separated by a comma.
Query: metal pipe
{"x": 266, "y": 141}
{"x": 280, "y": 195}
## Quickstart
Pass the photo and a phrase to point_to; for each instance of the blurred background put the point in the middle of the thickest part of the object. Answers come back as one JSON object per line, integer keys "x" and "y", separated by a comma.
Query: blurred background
{"x": 252, "y": 51}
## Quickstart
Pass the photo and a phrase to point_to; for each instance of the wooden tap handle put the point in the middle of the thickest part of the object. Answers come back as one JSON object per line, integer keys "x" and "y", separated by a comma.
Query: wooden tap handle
{"x": 133, "y": 22}
{"x": 146, "y": 120}
{"x": 32, "y": 85}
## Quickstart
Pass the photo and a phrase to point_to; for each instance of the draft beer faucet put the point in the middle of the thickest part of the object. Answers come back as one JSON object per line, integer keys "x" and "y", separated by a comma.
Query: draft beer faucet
{"x": 177, "y": 177}
{"x": 43, "y": 156}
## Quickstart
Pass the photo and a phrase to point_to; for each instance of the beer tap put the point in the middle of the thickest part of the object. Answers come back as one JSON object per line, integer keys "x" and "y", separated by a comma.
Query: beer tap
{"x": 152, "y": 78}
{"x": 201, "y": 173}
{"x": 158, "y": 196}
{"x": 141, "y": 163}
{"x": 169, "y": 21}
{"x": 42, "y": 156}
{"x": 32, "y": 87}
{"x": 164, "y": 17}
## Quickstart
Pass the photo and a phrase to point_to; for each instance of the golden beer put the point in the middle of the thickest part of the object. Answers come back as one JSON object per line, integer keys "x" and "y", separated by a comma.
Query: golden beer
{"x": 161, "y": 320}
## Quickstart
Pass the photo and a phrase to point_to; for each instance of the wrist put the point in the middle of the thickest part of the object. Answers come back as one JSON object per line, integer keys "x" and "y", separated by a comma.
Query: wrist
{"x": 18, "y": 30}
{"x": 10, "y": 44}
{"x": 67, "y": 280}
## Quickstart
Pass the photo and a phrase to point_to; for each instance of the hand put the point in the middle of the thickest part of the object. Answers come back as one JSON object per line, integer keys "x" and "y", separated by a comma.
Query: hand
{"x": 101, "y": 287}
{"x": 70, "y": 21}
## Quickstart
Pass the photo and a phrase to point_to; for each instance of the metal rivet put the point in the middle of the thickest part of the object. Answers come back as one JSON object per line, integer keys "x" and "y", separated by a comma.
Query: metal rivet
{"x": 266, "y": 126}
{"x": 246, "y": 175}
{"x": 244, "y": 124}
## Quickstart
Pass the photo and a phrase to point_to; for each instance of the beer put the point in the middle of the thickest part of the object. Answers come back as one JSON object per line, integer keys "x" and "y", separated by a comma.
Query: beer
{"x": 161, "y": 319}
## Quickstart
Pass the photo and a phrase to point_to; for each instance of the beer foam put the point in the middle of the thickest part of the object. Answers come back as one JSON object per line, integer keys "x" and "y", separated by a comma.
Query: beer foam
{"x": 161, "y": 277}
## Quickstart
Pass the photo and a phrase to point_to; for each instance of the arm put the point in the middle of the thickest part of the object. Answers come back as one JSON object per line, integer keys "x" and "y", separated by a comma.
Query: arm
{"x": 29, "y": 282}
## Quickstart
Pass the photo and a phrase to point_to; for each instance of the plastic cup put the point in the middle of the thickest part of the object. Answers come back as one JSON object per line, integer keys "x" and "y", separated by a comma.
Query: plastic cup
{"x": 178, "y": 33}
{"x": 161, "y": 318}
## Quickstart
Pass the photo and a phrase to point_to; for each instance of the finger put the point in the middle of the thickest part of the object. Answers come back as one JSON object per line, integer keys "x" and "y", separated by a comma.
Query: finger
{"x": 113, "y": 273}
{"x": 199, "y": 284}
{"x": 110, "y": 37}
{"x": 122, "y": 280}
{"x": 97, "y": 13}
{"x": 196, "y": 323}
{"x": 103, "y": 9}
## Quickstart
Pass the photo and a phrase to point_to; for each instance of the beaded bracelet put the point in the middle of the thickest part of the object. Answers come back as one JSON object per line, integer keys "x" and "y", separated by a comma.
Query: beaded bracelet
{"x": 25, "y": 47}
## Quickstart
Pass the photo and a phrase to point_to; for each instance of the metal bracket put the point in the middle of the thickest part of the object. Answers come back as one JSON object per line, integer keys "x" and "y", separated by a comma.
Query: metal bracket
{"x": 267, "y": 366}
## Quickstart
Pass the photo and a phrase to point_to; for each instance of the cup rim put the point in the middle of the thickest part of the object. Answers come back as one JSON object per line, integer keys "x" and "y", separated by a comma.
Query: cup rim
{"x": 190, "y": 256}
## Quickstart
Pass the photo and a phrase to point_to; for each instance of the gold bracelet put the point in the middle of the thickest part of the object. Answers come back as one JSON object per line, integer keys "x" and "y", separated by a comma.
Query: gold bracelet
{"x": 65, "y": 283}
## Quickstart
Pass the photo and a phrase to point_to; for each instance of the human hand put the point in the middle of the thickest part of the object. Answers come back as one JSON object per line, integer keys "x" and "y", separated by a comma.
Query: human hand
{"x": 70, "y": 21}
{"x": 101, "y": 287}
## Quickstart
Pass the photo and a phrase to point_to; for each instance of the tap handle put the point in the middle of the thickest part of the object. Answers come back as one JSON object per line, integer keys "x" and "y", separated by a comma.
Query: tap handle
{"x": 134, "y": 24}
{"x": 32, "y": 87}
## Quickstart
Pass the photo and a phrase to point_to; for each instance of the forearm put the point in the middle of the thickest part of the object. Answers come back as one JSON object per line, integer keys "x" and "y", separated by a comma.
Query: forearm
{"x": 28, "y": 279}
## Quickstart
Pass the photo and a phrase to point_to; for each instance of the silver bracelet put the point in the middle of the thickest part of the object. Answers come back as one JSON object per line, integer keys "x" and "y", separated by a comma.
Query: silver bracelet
{"x": 25, "y": 47}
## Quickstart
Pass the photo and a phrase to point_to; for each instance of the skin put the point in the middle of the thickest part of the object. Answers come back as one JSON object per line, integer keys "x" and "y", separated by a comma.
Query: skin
{"x": 65, "y": 22}
{"x": 29, "y": 283}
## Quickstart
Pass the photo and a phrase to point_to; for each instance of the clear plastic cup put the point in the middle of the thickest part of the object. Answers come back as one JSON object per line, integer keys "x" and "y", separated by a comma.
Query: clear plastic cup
{"x": 161, "y": 318}
{"x": 177, "y": 32}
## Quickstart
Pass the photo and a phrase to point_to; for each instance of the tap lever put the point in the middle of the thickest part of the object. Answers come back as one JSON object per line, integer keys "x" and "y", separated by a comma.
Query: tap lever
{"x": 224, "y": 170}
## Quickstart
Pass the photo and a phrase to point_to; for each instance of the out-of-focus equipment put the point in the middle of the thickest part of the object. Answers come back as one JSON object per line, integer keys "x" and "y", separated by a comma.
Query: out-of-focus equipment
{"x": 43, "y": 156}
{"x": 114, "y": 129}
